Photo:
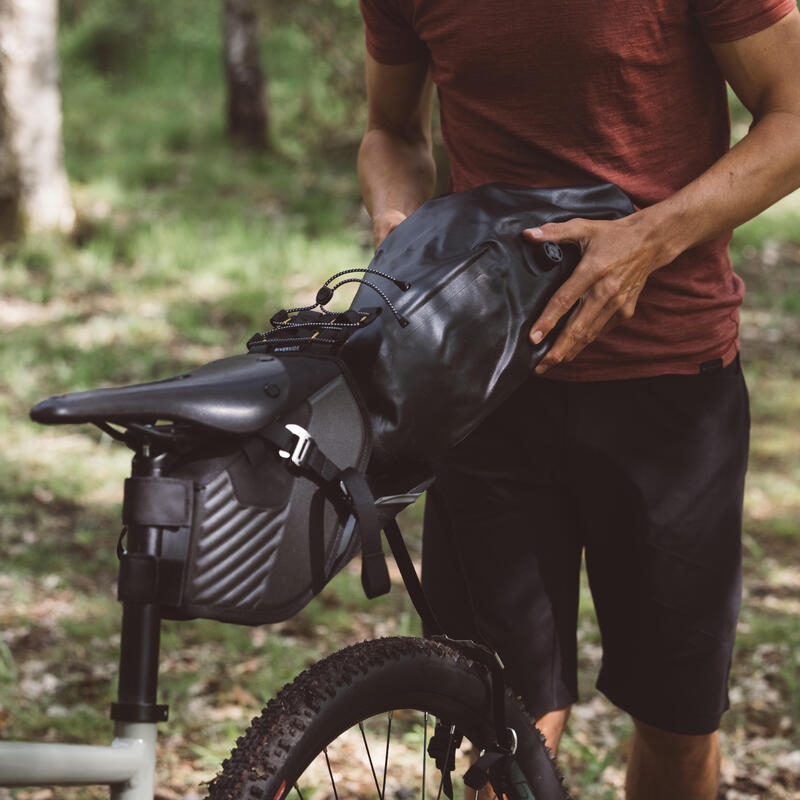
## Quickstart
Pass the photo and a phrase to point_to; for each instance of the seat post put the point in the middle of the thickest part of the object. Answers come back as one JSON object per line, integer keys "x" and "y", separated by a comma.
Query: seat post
{"x": 141, "y": 619}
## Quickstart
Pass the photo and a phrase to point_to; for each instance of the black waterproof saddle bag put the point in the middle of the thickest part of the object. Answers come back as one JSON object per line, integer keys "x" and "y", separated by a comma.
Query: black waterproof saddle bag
{"x": 278, "y": 466}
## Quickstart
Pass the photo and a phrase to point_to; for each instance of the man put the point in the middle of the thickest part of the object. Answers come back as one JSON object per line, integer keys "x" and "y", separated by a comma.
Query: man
{"x": 630, "y": 443}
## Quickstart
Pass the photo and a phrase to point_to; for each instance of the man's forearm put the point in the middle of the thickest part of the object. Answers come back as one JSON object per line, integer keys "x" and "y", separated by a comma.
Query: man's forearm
{"x": 620, "y": 255}
{"x": 763, "y": 167}
{"x": 397, "y": 175}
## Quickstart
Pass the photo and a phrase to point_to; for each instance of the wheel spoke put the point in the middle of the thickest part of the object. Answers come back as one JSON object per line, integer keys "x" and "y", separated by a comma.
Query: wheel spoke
{"x": 369, "y": 756}
{"x": 297, "y": 789}
{"x": 386, "y": 756}
{"x": 330, "y": 772}
{"x": 424, "y": 753}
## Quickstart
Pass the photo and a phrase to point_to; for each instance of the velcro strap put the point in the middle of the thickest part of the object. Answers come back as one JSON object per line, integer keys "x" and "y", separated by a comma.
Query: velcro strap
{"x": 159, "y": 502}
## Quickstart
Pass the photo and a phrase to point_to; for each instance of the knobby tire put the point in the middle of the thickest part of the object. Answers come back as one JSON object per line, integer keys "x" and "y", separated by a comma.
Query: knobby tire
{"x": 375, "y": 680}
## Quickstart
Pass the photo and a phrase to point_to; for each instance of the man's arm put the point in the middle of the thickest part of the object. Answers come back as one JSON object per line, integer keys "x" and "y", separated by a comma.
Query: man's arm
{"x": 764, "y": 71}
{"x": 395, "y": 162}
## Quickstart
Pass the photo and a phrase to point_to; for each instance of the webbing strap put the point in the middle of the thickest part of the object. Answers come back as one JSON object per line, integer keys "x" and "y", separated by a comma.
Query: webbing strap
{"x": 374, "y": 572}
{"x": 346, "y": 487}
{"x": 411, "y": 579}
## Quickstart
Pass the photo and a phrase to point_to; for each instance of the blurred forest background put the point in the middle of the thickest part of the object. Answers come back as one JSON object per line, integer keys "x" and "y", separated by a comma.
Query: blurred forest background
{"x": 198, "y": 203}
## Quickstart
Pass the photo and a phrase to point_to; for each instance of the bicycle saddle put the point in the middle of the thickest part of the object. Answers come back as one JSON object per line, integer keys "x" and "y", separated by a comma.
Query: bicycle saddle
{"x": 238, "y": 395}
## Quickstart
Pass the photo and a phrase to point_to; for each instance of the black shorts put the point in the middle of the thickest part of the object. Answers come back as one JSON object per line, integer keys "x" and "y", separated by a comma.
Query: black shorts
{"x": 645, "y": 477}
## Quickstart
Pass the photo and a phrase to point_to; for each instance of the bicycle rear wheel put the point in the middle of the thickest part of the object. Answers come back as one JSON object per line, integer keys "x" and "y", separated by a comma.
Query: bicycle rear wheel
{"x": 359, "y": 723}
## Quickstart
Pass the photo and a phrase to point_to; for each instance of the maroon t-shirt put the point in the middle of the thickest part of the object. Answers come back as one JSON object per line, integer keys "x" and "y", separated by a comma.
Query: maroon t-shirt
{"x": 572, "y": 92}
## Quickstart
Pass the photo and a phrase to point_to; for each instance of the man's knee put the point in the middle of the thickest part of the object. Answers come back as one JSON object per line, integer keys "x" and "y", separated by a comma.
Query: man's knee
{"x": 680, "y": 749}
{"x": 664, "y": 765}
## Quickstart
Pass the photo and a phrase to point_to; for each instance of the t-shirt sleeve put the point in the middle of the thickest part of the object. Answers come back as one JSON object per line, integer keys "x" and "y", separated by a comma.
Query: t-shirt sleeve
{"x": 389, "y": 35}
{"x": 728, "y": 20}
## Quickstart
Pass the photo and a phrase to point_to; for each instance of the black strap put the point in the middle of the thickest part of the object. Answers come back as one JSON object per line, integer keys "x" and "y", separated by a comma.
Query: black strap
{"x": 374, "y": 572}
{"x": 491, "y": 766}
{"x": 344, "y": 488}
{"x": 411, "y": 579}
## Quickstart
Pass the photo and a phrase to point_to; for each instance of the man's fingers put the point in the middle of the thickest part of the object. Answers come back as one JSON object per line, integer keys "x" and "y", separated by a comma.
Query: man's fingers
{"x": 559, "y": 304}
{"x": 584, "y": 325}
{"x": 567, "y": 340}
{"x": 608, "y": 319}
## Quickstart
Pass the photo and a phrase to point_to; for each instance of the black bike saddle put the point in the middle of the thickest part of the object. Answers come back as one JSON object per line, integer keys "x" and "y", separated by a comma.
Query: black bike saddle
{"x": 237, "y": 395}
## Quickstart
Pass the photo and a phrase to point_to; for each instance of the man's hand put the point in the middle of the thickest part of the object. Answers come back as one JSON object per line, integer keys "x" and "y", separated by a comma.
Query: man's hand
{"x": 618, "y": 257}
{"x": 384, "y": 223}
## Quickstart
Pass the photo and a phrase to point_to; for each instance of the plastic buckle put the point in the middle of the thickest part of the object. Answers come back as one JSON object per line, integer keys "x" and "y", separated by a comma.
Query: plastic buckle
{"x": 301, "y": 447}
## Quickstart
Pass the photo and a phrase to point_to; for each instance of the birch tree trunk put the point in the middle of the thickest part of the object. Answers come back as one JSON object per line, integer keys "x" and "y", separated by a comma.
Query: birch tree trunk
{"x": 34, "y": 193}
{"x": 247, "y": 108}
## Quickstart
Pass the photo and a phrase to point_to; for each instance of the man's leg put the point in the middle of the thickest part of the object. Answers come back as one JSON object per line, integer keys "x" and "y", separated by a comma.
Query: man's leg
{"x": 661, "y": 462}
{"x": 552, "y": 726}
{"x": 665, "y": 766}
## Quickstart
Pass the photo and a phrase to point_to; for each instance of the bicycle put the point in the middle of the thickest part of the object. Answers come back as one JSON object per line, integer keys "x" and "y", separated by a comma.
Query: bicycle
{"x": 330, "y": 732}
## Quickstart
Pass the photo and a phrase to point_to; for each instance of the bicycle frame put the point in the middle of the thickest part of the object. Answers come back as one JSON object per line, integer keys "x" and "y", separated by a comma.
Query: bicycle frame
{"x": 127, "y": 765}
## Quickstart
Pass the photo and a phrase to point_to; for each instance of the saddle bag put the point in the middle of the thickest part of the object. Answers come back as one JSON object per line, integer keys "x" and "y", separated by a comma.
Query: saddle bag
{"x": 269, "y": 527}
{"x": 277, "y": 466}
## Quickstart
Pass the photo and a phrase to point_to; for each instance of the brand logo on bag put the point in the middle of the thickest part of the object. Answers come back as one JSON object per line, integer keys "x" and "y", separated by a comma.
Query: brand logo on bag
{"x": 553, "y": 252}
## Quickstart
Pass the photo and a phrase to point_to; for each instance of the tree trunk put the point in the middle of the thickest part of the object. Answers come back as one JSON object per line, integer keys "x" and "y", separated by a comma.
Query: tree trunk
{"x": 10, "y": 190}
{"x": 34, "y": 193}
{"x": 247, "y": 109}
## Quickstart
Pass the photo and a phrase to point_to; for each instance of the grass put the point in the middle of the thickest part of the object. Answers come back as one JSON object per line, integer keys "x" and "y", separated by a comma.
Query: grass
{"x": 185, "y": 247}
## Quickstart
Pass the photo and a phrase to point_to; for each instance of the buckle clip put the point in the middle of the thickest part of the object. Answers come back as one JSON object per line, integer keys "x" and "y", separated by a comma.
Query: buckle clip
{"x": 301, "y": 447}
